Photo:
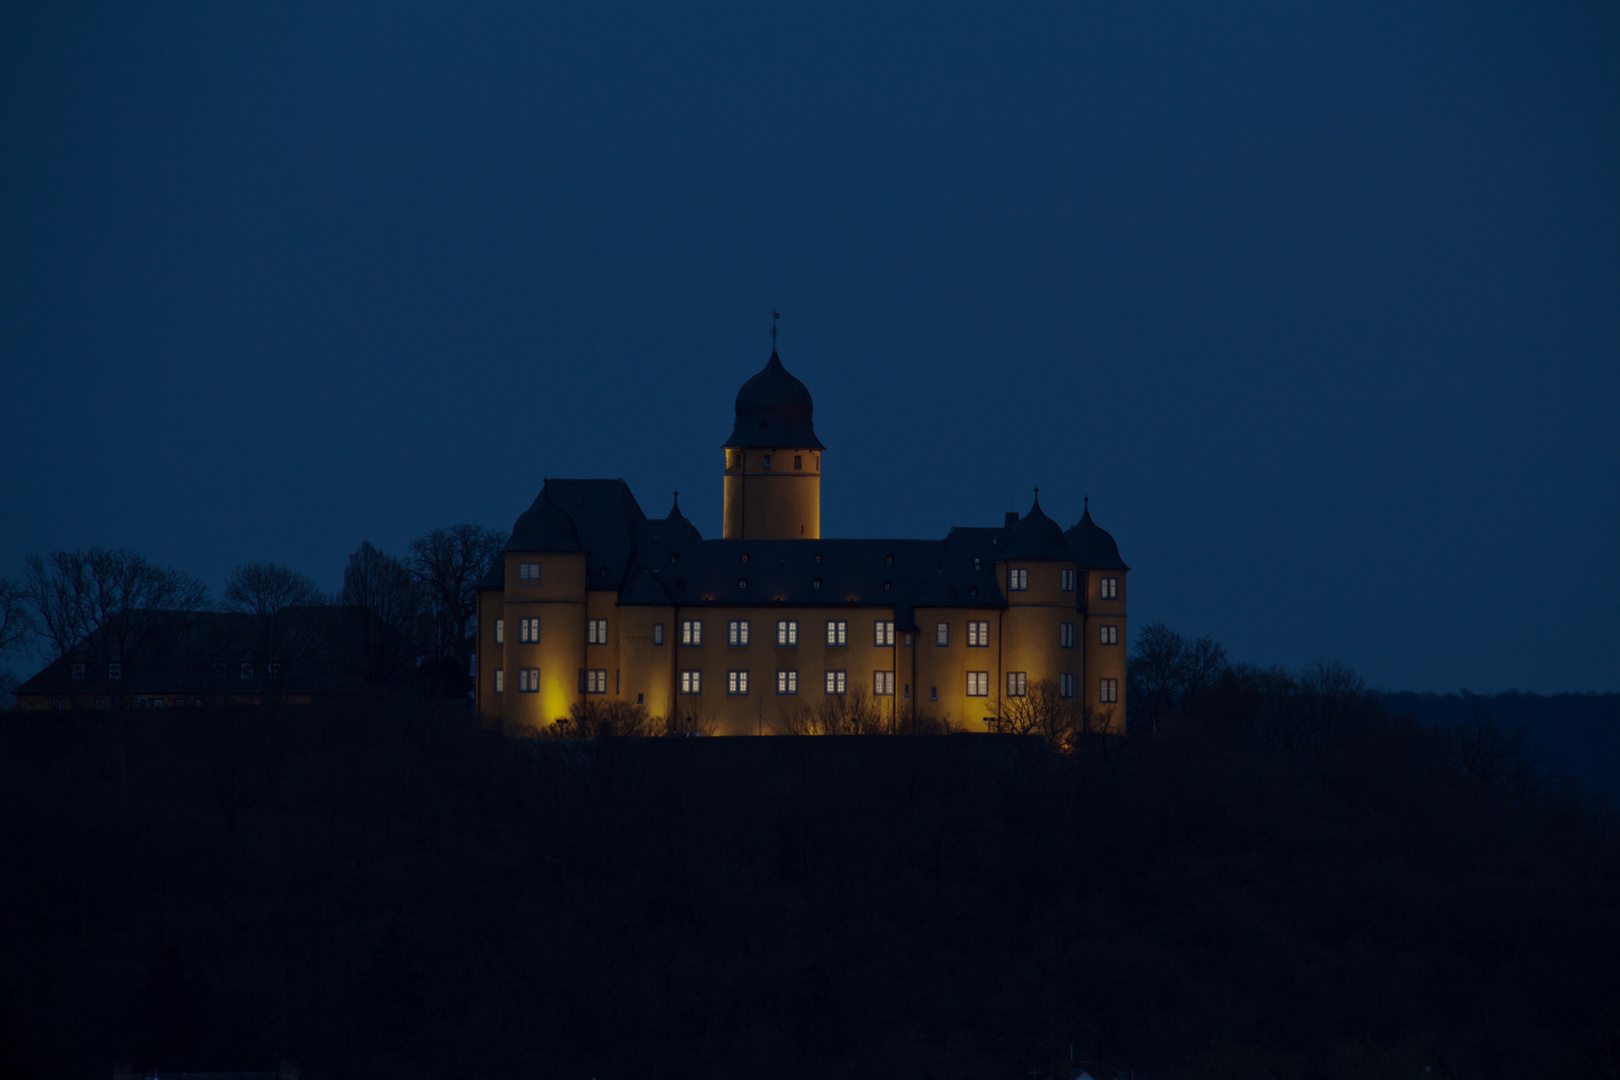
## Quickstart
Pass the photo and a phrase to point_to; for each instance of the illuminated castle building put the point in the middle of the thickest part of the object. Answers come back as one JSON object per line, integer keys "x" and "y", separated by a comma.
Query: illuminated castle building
{"x": 593, "y": 599}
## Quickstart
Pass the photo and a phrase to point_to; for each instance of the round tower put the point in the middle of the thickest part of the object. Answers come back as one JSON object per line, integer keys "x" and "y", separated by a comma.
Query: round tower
{"x": 773, "y": 460}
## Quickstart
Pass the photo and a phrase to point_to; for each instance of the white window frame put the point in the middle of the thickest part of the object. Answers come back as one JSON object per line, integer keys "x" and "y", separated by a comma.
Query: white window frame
{"x": 1065, "y": 685}
{"x": 978, "y": 684}
{"x": 691, "y": 631}
{"x": 1065, "y": 635}
{"x": 596, "y": 631}
{"x": 737, "y": 681}
{"x": 837, "y": 632}
{"x": 787, "y": 681}
{"x": 787, "y": 631}
{"x": 942, "y": 633}
{"x": 116, "y": 671}
{"x": 692, "y": 681}
{"x": 1066, "y": 580}
{"x": 883, "y": 684}
{"x": 529, "y": 571}
{"x": 837, "y": 681}
{"x": 529, "y": 629}
{"x": 658, "y": 633}
{"x": 1108, "y": 634}
{"x": 883, "y": 632}
{"x": 978, "y": 633}
{"x": 1109, "y": 588}
{"x": 1017, "y": 683}
{"x": 1017, "y": 579}
{"x": 529, "y": 680}
{"x": 500, "y": 631}
{"x": 737, "y": 632}
{"x": 500, "y": 681}
{"x": 596, "y": 680}
{"x": 1108, "y": 691}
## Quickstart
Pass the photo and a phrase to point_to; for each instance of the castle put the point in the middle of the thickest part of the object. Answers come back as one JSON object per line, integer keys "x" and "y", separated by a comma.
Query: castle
{"x": 593, "y": 599}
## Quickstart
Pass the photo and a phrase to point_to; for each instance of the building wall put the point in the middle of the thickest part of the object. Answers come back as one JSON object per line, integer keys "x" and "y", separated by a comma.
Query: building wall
{"x": 779, "y": 502}
{"x": 944, "y": 668}
{"x": 1105, "y": 661}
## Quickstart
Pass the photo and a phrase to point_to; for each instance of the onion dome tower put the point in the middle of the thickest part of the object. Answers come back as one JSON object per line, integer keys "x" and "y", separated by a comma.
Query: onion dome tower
{"x": 773, "y": 460}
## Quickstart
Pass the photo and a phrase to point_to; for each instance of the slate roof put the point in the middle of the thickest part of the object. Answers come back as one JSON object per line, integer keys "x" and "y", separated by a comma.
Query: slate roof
{"x": 1092, "y": 546}
{"x": 666, "y": 561}
{"x": 774, "y": 409}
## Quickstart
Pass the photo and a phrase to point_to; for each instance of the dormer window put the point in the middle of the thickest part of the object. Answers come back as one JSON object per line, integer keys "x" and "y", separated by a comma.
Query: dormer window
{"x": 742, "y": 583}
{"x": 887, "y": 586}
{"x": 745, "y": 556}
{"x": 975, "y": 562}
{"x": 818, "y": 556}
{"x": 674, "y": 556}
{"x": 815, "y": 583}
{"x": 888, "y": 560}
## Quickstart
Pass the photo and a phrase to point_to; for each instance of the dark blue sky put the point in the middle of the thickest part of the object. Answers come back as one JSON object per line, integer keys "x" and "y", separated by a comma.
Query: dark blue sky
{"x": 1320, "y": 305}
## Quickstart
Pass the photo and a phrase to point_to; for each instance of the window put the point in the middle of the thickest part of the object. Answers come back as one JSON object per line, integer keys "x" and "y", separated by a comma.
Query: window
{"x": 78, "y": 671}
{"x": 595, "y": 631}
{"x": 500, "y": 681}
{"x": 737, "y": 632}
{"x": 529, "y": 571}
{"x": 1066, "y": 685}
{"x": 1017, "y": 683}
{"x": 1108, "y": 635}
{"x": 908, "y": 641}
{"x": 883, "y": 684}
{"x": 101, "y": 702}
{"x": 179, "y": 701}
{"x": 56, "y": 703}
{"x": 247, "y": 671}
{"x": 640, "y": 699}
{"x": 883, "y": 632}
{"x": 1017, "y": 580}
{"x": 835, "y": 682}
{"x": 837, "y": 632}
{"x": 787, "y": 682}
{"x": 593, "y": 680}
{"x": 975, "y": 562}
{"x": 529, "y": 629}
{"x": 933, "y": 693}
{"x": 217, "y": 670}
{"x": 942, "y": 633}
{"x": 787, "y": 631}
{"x": 500, "y": 631}
{"x": 1108, "y": 691}
{"x": 116, "y": 671}
{"x": 691, "y": 633}
{"x": 742, "y": 583}
{"x": 691, "y": 682}
{"x": 658, "y": 633}
{"x": 736, "y": 682}
{"x": 767, "y": 460}
{"x": 157, "y": 703}
{"x": 1066, "y": 635}
{"x": 272, "y": 670}
{"x": 815, "y": 583}
{"x": 978, "y": 684}
{"x": 529, "y": 680}
{"x": 1110, "y": 588}
{"x": 978, "y": 634}
{"x": 798, "y": 462}
{"x": 1066, "y": 580}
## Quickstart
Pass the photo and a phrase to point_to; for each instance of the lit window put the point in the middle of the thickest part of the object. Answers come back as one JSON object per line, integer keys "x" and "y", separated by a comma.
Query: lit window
{"x": 942, "y": 633}
{"x": 1108, "y": 635}
{"x": 500, "y": 631}
{"x": 883, "y": 632}
{"x": 835, "y": 682}
{"x": 1067, "y": 583}
{"x": 116, "y": 671}
{"x": 1110, "y": 588}
{"x": 691, "y": 633}
{"x": 595, "y": 631}
{"x": 837, "y": 631}
{"x": 1017, "y": 580}
{"x": 883, "y": 684}
{"x": 736, "y": 682}
{"x": 798, "y": 462}
{"x": 529, "y": 571}
{"x": 594, "y": 681}
{"x": 1108, "y": 691}
{"x": 978, "y": 684}
{"x": 737, "y": 632}
{"x": 978, "y": 634}
{"x": 1017, "y": 683}
{"x": 1066, "y": 685}
{"x": 787, "y": 631}
{"x": 500, "y": 681}
{"x": 691, "y": 682}
{"x": 1066, "y": 635}
{"x": 529, "y": 680}
{"x": 529, "y": 629}
{"x": 787, "y": 682}
{"x": 658, "y": 633}
{"x": 247, "y": 671}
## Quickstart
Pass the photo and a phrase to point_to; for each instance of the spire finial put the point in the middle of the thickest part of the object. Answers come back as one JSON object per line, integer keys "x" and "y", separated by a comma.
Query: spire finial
{"x": 1088, "y": 502}
{"x": 774, "y": 316}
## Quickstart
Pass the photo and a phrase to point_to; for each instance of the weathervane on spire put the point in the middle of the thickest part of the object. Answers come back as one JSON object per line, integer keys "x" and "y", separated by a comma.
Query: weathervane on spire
{"x": 774, "y": 316}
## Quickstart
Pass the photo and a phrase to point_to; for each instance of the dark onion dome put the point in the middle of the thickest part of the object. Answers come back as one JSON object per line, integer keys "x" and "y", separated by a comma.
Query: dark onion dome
{"x": 544, "y": 527}
{"x": 1091, "y": 545}
{"x": 1036, "y": 536}
{"x": 773, "y": 410}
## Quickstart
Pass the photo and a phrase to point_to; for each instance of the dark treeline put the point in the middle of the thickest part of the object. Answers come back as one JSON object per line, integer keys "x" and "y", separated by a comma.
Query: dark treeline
{"x": 1275, "y": 877}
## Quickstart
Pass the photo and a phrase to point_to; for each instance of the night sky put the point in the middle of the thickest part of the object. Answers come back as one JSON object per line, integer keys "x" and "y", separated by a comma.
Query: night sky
{"x": 1319, "y": 304}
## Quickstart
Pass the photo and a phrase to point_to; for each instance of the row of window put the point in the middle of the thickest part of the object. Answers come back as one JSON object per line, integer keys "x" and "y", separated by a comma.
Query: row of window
{"x": 594, "y": 681}
{"x": 787, "y": 633}
{"x": 1017, "y": 577}
{"x": 139, "y": 703}
{"x": 116, "y": 671}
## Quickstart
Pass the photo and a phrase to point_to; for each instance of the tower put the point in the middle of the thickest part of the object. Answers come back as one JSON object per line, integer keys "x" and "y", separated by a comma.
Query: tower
{"x": 773, "y": 460}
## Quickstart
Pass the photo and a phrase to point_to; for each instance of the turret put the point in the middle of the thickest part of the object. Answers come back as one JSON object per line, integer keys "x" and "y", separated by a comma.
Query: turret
{"x": 773, "y": 460}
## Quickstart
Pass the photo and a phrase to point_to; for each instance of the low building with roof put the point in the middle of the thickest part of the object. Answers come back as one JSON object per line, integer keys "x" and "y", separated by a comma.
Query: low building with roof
{"x": 593, "y": 599}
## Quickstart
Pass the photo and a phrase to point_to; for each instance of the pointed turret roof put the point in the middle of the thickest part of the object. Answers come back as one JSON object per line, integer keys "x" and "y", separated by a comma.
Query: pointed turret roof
{"x": 774, "y": 409}
{"x": 1035, "y": 536}
{"x": 1093, "y": 547}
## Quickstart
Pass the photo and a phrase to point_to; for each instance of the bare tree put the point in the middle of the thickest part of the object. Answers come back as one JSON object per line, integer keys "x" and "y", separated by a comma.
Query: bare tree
{"x": 692, "y": 715}
{"x": 286, "y": 629}
{"x": 117, "y": 601}
{"x": 1043, "y": 712}
{"x": 384, "y": 618}
{"x": 16, "y": 623}
{"x": 594, "y": 717}
{"x": 1167, "y": 671}
{"x": 853, "y": 713}
{"x": 447, "y": 564}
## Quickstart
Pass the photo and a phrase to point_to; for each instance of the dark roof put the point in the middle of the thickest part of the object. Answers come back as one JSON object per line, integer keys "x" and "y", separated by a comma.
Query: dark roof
{"x": 1091, "y": 546}
{"x": 544, "y": 527}
{"x": 1035, "y": 536}
{"x": 176, "y": 652}
{"x": 774, "y": 410}
{"x": 598, "y": 517}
